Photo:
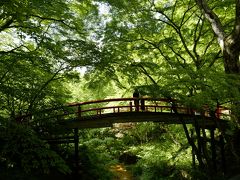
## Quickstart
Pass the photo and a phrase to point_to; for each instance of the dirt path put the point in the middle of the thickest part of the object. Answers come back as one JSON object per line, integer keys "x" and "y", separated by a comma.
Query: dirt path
{"x": 121, "y": 173}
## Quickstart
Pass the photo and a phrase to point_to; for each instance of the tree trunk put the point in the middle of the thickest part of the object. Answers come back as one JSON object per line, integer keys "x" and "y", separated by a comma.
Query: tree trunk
{"x": 231, "y": 50}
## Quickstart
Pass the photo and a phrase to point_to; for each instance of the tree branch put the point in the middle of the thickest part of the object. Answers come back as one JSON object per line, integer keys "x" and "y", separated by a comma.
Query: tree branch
{"x": 177, "y": 30}
{"x": 47, "y": 18}
{"x": 197, "y": 37}
{"x": 185, "y": 13}
{"x": 6, "y": 24}
{"x": 215, "y": 58}
{"x": 31, "y": 104}
{"x": 12, "y": 50}
{"x": 179, "y": 55}
{"x": 159, "y": 49}
{"x": 62, "y": 21}
{"x": 147, "y": 74}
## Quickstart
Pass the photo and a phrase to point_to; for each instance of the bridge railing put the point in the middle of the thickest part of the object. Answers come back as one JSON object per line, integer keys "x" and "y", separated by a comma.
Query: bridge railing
{"x": 121, "y": 105}
{"x": 117, "y": 105}
{"x": 139, "y": 105}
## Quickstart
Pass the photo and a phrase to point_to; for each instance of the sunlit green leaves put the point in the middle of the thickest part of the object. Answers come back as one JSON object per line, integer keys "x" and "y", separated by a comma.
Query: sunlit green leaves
{"x": 42, "y": 43}
{"x": 173, "y": 36}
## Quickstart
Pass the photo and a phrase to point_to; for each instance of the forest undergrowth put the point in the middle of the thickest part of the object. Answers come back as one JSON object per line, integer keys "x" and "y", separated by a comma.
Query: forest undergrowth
{"x": 147, "y": 150}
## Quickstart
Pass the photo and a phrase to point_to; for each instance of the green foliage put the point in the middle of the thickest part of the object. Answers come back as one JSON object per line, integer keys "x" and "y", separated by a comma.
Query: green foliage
{"x": 42, "y": 45}
{"x": 157, "y": 161}
{"x": 163, "y": 151}
{"x": 99, "y": 150}
{"x": 143, "y": 133}
{"x": 166, "y": 48}
{"x": 102, "y": 140}
{"x": 22, "y": 149}
{"x": 96, "y": 156}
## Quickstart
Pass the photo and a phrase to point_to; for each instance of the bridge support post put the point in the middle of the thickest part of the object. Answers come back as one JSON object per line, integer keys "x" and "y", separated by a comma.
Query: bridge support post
{"x": 76, "y": 147}
{"x": 222, "y": 154}
{"x": 213, "y": 149}
{"x": 199, "y": 139}
{"x": 193, "y": 152}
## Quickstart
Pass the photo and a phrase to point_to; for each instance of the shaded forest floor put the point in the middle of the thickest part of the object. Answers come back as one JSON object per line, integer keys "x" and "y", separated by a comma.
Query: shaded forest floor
{"x": 121, "y": 173}
{"x": 142, "y": 151}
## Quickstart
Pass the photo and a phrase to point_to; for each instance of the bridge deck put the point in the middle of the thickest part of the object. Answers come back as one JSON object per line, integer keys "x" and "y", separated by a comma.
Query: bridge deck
{"x": 107, "y": 120}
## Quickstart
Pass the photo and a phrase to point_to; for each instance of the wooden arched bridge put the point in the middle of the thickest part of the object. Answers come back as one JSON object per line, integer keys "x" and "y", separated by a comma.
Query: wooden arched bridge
{"x": 104, "y": 113}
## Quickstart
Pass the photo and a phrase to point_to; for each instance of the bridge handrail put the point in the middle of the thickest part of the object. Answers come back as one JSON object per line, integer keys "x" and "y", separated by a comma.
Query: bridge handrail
{"x": 80, "y": 110}
{"x": 126, "y": 106}
{"x": 119, "y": 99}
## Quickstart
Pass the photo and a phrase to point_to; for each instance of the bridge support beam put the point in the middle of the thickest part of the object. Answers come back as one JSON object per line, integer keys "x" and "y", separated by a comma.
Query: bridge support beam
{"x": 193, "y": 151}
{"x": 202, "y": 141}
{"x": 213, "y": 149}
{"x": 76, "y": 148}
{"x": 222, "y": 154}
{"x": 199, "y": 138}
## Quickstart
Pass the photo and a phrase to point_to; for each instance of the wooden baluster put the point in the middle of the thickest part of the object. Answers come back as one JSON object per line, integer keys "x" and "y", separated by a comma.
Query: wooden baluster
{"x": 136, "y": 103}
{"x": 130, "y": 105}
{"x": 213, "y": 149}
{"x": 142, "y": 105}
